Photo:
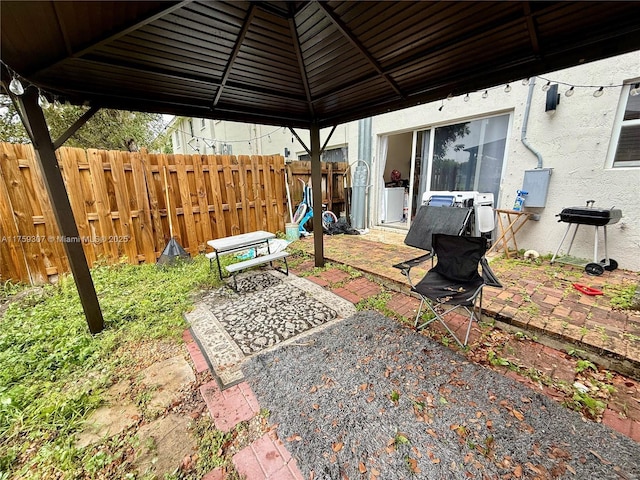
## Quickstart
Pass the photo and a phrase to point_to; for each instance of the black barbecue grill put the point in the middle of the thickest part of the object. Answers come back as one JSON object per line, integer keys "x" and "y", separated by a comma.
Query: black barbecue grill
{"x": 597, "y": 217}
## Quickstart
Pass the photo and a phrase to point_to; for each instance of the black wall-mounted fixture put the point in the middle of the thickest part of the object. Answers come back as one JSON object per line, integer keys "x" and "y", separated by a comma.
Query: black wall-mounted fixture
{"x": 553, "y": 98}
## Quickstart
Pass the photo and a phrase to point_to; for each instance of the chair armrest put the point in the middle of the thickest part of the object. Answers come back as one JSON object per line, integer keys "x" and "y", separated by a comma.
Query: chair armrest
{"x": 405, "y": 267}
{"x": 488, "y": 276}
{"x": 409, "y": 264}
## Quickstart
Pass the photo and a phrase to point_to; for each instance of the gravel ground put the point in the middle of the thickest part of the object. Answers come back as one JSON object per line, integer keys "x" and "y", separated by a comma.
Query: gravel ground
{"x": 369, "y": 398}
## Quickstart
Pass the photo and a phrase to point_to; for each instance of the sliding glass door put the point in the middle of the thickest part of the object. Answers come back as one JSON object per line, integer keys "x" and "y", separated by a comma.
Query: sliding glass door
{"x": 466, "y": 156}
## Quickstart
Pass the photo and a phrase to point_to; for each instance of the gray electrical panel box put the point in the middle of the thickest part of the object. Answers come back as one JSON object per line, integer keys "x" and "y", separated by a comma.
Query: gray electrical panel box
{"x": 536, "y": 182}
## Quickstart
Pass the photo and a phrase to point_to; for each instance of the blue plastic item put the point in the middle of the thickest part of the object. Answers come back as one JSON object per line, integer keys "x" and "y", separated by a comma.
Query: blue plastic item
{"x": 519, "y": 203}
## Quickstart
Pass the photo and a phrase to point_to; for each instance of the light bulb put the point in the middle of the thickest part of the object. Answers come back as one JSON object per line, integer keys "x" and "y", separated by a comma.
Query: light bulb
{"x": 467, "y": 98}
{"x": 441, "y": 107}
{"x": 569, "y": 92}
{"x": 507, "y": 89}
{"x": 635, "y": 90}
{"x": 525, "y": 81}
{"x": 485, "y": 94}
{"x": 547, "y": 86}
{"x": 43, "y": 102}
{"x": 16, "y": 87}
{"x": 598, "y": 92}
{"x": 449, "y": 97}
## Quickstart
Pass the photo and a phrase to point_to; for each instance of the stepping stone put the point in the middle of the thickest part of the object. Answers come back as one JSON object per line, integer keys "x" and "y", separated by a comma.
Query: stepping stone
{"x": 230, "y": 406}
{"x": 266, "y": 459}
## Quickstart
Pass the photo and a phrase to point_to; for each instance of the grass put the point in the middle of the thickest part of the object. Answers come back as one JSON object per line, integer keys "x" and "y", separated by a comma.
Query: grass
{"x": 53, "y": 371}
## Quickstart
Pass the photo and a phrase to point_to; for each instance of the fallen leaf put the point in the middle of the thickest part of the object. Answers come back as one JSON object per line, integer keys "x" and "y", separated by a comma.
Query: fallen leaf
{"x": 517, "y": 472}
{"x": 315, "y": 406}
{"x": 362, "y": 467}
{"x": 413, "y": 465}
{"x": 595, "y": 454}
{"x": 294, "y": 438}
{"x": 313, "y": 389}
{"x": 336, "y": 447}
{"x": 517, "y": 414}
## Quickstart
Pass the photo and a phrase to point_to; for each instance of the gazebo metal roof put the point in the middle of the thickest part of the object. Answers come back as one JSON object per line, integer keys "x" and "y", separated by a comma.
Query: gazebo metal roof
{"x": 297, "y": 63}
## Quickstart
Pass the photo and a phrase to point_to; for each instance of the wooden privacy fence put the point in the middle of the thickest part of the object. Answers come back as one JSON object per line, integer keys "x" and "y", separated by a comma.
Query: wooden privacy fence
{"x": 119, "y": 204}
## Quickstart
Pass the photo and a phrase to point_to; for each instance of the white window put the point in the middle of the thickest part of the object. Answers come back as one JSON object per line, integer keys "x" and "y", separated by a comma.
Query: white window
{"x": 624, "y": 150}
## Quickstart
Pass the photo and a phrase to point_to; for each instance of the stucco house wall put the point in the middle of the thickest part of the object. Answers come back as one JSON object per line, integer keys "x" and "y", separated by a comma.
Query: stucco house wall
{"x": 246, "y": 139}
{"x": 573, "y": 141}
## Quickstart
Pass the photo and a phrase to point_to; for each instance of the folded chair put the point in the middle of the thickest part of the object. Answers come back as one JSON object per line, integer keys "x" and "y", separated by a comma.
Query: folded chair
{"x": 430, "y": 220}
{"x": 454, "y": 283}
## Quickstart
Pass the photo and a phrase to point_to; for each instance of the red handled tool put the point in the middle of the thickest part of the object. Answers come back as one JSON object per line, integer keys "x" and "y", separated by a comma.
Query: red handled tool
{"x": 587, "y": 290}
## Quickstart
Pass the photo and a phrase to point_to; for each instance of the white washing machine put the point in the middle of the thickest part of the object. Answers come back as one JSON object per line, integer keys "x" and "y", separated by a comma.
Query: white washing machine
{"x": 393, "y": 204}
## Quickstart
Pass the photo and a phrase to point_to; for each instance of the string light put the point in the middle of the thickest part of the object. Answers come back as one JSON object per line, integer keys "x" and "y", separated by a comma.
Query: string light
{"x": 507, "y": 88}
{"x": 42, "y": 101}
{"x": 441, "y": 106}
{"x": 571, "y": 90}
{"x": 449, "y": 97}
{"x": 485, "y": 94}
{"x": 467, "y": 98}
{"x": 15, "y": 86}
{"x": 547, "y": 86}
{"x": 635, "y": 91}
{"x": 525, "y": 81}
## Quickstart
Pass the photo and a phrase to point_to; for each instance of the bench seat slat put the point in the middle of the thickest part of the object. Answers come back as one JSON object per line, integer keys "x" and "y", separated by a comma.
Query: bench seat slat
{"x": 252, "y": 262}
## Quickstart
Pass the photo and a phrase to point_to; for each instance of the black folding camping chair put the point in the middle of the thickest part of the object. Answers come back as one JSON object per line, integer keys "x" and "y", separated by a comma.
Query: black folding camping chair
{"x": 454, "y": 282}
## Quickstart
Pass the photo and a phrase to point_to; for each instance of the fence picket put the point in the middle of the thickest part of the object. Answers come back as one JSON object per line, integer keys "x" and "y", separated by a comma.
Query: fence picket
{"x": 185, "y": 201}
{"x": 145, "y": 225}
{"x": 104, "y": 248}
{"x": 125, "y": 235}
{"x": 230, "y": 186}
{"x": 20, "y": 200}
{"x": 12, "y": 255}
{"x": 203, "y": 221}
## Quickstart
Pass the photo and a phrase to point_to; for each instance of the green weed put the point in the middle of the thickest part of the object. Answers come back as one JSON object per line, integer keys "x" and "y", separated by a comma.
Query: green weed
{"x": 582, "y": 365}
{"x": 621, "y": 295}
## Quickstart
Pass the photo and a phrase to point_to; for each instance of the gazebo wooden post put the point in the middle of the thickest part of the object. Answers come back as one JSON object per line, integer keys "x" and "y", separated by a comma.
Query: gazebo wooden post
{"x": 48, "y": 163}
{"x": 316, "y": 186}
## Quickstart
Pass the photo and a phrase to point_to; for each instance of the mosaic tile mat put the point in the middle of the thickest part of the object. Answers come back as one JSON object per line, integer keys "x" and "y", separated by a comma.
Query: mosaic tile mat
{"x": 269, "y": 308}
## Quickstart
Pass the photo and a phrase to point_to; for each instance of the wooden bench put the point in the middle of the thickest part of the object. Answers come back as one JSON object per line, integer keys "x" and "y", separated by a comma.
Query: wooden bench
{"x": 254, "y": 262}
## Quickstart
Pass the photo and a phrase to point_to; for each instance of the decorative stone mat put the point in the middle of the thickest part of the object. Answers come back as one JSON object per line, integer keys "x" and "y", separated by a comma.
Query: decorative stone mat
{"x": 268, "y": 309}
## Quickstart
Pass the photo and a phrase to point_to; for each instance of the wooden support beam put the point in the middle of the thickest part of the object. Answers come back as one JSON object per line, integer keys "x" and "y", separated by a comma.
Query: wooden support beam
{"x": 48, "y": 163}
